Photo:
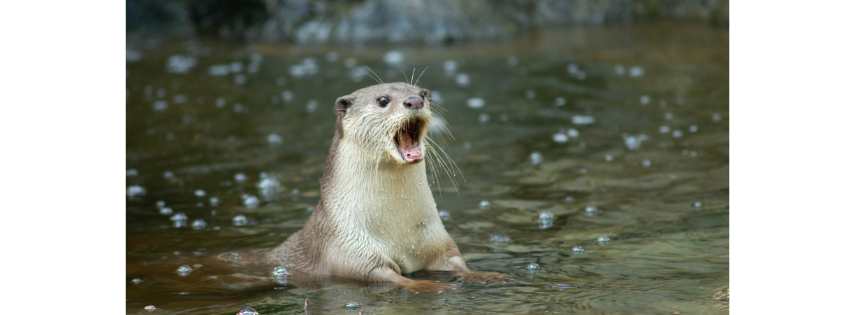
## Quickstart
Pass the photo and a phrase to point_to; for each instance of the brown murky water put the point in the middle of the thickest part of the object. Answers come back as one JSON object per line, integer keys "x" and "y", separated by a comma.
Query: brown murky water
{"x": 213, "y": 120}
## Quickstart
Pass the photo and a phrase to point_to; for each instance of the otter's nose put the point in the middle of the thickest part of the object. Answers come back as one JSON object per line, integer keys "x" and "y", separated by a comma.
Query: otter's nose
{"x": 413, "y": 103}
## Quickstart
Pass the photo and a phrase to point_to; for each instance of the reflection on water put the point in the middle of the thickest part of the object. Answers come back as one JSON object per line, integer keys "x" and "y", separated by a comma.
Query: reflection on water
{"x": 595, "y": 170}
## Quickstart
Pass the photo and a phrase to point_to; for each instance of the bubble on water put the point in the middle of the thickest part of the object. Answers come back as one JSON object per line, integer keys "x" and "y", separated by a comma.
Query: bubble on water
{"x": 503, "y": 117}
{"x": 178, "y": 217}
{"x": 677, "y": 133}
{"x": 248, "y": 311}
{"x": 462, "y": 79}
{"x": 179, "y": 99}
{"x": 664, "y": 129}
{"x": 572, "y": 68}
{"x": 645, "y": 99}
{"x": 608, "y": 158}
{"x": 560, "y": 138}
{"x": 669, "y": 116}
{"x": 160, "y": 105}
{"x": 532, "y": 266}
{"x": 280, "y": 271}
{"x": 250, "y": 201}
{"x": 436, "y": 96}
{"x": 238, "y": 108}
{"x": 196, "y": 266}
{"x": 311, "y": 208}
{"x": 636, "y": 71}
{"x": 220, "y": 102}
{"x": 184, "y": 270}
{"x": 351, "y": 304}
{"x": 136, "y": 281}
{"x": 135, "y": 191}
{"x": 546, "y": 219}
{"x": 590, "y": 211}
{"x": 274, "y": 139}
{"x": 239, "y": 220}
{"x": 298, "y": 70}
{"x": 199, "y": 224}
{"x": 200, "y": 193}
{"x": 716, "y": 117}
{"x": 475, "y": 102}
{"x": 697, "y": 205}
{"x": 449, "y": 66}
{"x": 268, "y": 187}
{"x": 573, "y": 133}
{"x": 214, "y": 201}
{"x": 560, "y": 101}
{"x": 483, "y": 118}
{"x": 620, "y": 70}
{"x": 569, "y": 199}
{"x": 530, "y": 94}
{"x": 692, "y": 128}
{"x": 499, "y": 238}
{"x": 536, "y": 158}
{"x": 645, "y": 163}
{"x": 160, "y": 92}
{"x": 150, "y": 308}
{"x": 632, "y": 142}
{"x": 160, "y": 204}
{"x": 240, "y": 79}
{"x": 394, "y": 57}
{"x": 165, "y": 211}
{"x": 578, "y": 249}
{"x": 132, "y": 172}
{"x": 603, "y": 239}
{"x": 443, "y": 214}
{"x": 295, "y": 191}
{"x": 562, "y": 287}
{"x": 485, "y": 205}
{"x": 180, "y": 64}
{"x": 693, "y": 153}
{"x": 312, "y": 105}
{"x": 438, "y": 125}
{"x": 350, "y": 62}
{"x": 582, "y": 120}
{"x": 287, "y": 96}
{"x": 240, "y": 178}
{"x": 218, "y": 70}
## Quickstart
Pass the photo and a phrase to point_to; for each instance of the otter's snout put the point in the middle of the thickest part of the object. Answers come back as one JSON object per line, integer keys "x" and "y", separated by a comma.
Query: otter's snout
{"x": 413, "y": 102}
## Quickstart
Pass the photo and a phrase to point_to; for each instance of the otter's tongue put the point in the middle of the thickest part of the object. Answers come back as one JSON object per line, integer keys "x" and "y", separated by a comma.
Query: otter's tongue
{"x": 408, "y": 147}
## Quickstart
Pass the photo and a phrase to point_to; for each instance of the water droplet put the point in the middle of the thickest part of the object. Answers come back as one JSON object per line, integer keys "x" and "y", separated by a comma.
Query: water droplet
{"x": 312, "y": 105}
{"x": 136, "y": 281}
{"x": 560, "y": 138}
{"x": 698, "y": 205}
{"x": 636, "y": 71}
{"x": 250, "y": 201}
{"x": 214, "y": 201}
{"x": 268, "y": 186}
{"x": 443, "y": 214}
{"x": 311, "y": 208}
{"x": 150, "y": 307}
{"x": 578, "y": 249}
{"x": 645, "y": 163}
{"x": 394, "y": 57}
{"x": 199, "y": 224}
{"x": 485, "y": 205}
{"x": 503, "y": 117}
{"x": 669, "y": 116}
{"x": 239, "y": 220}
{"x": 132, "y": 172}
{"x": 572, "y": 68}
{"x": 530, "y": 94}
{"x": 483, "y": 118}
{"x": 645, "y": 99}
{"x": 591, "y": 211}
{"x": 569, "y": 199}
{"x": 274, "y": 139}
{"x": 560, "y": 101}
{"x": 608, "y": 158}
{"x": 475, "y": 102}
{"x": 511, "y": 60}
{"x": 546, "y": 220}
{"x": 184, "y": 270}
{"x": 280, "y": 271}
{"x": 664, "y": 129}
{"x": 240, "y": 177}
{"x": 499, "y": 238}
{"x": 620, "y": 70}
{"x": 247, "y": 311}
{"x": 693, "y": 153}
{"x": 692, "y": 128}
{"x": 449, "y": 66}
{"x": 562, "y": 287}
{"x": 135, "y": 191}
{"x": 180, "y": 64}
{"x": 462, "y": 79}
{"x": 603, "y": 240}
{"x": 165, "y": 211}
{"x": 200, "y": 193}
{"x": 532, "y": 266}
{"x": 632, "y": 142}
{"x": 573, "y": 133}
{"x": 218, "y": 70}
{"x": 352, "y": 305}
{"x": 536, "y": 158}
{"x": 677, "y": 133}
{"x": 239, "y": 108}
{"x": 716, "y": 117}
{"x": 582, "y": 120}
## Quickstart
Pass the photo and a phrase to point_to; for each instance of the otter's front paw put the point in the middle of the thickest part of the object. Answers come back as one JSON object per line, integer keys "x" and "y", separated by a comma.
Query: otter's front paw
{"x": 484, "y": 277}
{"x": 428, "y": 286}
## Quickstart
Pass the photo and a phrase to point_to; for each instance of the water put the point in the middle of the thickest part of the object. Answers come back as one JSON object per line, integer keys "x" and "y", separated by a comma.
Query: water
{"x": 665, "y": 254}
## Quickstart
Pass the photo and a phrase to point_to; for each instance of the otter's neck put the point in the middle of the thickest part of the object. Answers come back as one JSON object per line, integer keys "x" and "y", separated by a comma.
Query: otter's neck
{"x": 380, "y": 197}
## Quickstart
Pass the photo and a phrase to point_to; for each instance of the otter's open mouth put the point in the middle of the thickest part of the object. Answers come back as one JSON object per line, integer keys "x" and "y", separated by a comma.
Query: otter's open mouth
{"x": 407, "y": 140}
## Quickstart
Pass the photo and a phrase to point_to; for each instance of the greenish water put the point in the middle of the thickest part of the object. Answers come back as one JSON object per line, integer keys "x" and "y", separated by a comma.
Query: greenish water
{"x": 218, "y": 111}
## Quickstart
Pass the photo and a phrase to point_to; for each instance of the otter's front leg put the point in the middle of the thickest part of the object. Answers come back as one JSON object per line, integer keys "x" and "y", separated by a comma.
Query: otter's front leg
{"x": 390, "y": 272}
{"x": 452, "y": 260}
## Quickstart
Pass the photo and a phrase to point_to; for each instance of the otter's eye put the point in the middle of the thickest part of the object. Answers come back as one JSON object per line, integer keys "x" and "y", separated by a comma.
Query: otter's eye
{"x": 383, "y": 101}
{"x": 425, "y": 94}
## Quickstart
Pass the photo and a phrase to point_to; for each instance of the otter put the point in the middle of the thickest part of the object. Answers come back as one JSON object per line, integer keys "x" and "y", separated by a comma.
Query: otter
{"x": 376, "y": 218}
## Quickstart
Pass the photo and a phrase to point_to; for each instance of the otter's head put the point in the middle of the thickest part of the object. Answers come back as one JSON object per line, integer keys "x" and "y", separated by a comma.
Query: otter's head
{"x": 389, "y": 120}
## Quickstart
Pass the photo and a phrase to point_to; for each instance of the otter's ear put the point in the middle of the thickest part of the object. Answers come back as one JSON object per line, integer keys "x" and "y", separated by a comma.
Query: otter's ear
{"x": 343, "y": 103}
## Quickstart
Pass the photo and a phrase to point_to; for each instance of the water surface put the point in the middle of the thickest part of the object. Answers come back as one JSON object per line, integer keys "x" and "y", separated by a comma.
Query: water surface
{"x": 643, "y": 110}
